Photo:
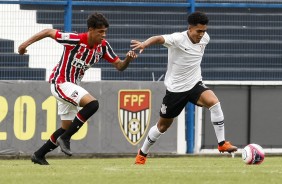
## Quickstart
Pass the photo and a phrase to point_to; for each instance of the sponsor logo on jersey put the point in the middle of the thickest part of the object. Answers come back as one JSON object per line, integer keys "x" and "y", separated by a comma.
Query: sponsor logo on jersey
{"x": 78, "y": 63}
{"x": 134, "y": 112}
{"x": 65, "y": 36}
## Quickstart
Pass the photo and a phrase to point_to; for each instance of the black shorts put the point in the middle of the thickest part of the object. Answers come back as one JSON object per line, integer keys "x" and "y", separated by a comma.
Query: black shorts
{"x": 173, "y": 103}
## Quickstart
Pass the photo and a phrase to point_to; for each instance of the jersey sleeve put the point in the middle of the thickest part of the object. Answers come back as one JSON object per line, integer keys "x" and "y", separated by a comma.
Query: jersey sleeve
{"x": 170, "y": 39}
{"x": 67, "y": 39}
{"x": 206, "y": 38}
{"x": 108, "y": 53}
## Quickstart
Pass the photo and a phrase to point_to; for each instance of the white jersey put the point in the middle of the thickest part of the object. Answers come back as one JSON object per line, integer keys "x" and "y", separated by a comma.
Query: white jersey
{"x": 184, "y": 60}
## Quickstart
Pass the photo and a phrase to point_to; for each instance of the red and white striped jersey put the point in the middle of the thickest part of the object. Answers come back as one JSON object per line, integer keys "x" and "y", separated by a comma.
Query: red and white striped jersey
{"x": 78, "y": 57}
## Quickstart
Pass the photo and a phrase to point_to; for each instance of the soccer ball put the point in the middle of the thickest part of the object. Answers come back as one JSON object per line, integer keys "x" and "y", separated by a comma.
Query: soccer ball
{"x": 253, "y": 154}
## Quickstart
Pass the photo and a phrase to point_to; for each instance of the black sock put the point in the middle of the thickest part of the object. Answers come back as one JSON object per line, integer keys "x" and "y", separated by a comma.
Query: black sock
{"x": 86, "y": 112}
{"x": 50, "y": 144}
{"x": 45, "y": 148}
{"x": 221, "y": 143}
{"x": 74, "y": 127}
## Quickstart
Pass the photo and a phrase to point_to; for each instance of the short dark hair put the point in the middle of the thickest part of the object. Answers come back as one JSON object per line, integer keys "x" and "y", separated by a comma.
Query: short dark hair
{"x": 198, "y": 18}
{"x": 97, "y": 20}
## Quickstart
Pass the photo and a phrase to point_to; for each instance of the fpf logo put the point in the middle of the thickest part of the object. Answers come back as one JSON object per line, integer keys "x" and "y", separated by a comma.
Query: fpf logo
{"x": 134, "y": 111}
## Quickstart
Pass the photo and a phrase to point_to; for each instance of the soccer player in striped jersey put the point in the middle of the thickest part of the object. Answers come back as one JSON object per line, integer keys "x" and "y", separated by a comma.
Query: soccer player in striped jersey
{"x": 81, "y": 51}
{"x": 184, "y": 81}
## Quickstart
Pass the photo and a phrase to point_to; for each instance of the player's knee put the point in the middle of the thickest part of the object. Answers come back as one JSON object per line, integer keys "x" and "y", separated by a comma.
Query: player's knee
{"x": 163, "y": 126}
{"x": 93, "y": 105}
{"x": 212, "y": 102}
{"x": 216, "y": 113}
{"x": 89, "y": 109}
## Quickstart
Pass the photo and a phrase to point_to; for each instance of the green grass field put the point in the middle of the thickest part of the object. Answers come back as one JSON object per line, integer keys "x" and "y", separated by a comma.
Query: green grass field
{"x": 177, "y": 170}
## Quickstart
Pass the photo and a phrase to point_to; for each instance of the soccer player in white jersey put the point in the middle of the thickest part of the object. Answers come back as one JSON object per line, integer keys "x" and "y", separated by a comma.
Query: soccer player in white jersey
{"x": 183, "y": 80}
{"x": 81, "y": 51}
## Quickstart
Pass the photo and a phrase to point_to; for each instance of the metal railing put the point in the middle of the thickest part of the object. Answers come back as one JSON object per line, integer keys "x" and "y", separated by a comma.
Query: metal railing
{"x": 191, "y": 5}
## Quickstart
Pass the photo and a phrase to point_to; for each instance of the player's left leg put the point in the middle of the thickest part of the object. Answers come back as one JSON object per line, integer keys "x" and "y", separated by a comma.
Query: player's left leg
{"x": 90, "y": 106}
{"x": 208, "y": 99}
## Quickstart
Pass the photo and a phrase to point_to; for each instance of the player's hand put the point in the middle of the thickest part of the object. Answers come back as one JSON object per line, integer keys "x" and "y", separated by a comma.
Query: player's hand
{"x": 135, "y": 45}
{"x": 131, "y": 55}
{"x": 22, "y": 49}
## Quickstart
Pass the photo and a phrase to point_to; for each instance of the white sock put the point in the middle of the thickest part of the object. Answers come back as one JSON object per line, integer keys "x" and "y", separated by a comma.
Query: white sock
{"x": 217, "y": 120}
{"x": 151, "y": 138}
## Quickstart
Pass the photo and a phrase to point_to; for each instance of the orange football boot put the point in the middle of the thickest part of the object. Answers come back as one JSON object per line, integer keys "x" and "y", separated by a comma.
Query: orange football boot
{"x": 140, "y": 159}
{"x": 227, "y": 147}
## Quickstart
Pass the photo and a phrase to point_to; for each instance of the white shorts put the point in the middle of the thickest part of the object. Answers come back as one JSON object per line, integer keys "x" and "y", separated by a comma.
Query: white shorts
{"x": 68, "y": 96}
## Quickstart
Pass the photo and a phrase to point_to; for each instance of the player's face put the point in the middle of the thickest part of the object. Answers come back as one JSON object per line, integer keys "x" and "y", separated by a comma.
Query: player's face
{"x": 197, "y": 32}
{"x": 97, "y": 34}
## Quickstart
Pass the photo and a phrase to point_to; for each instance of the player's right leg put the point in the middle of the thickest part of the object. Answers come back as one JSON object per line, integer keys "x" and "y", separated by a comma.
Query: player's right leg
{"x": 173, "y": 104}
{"x": 152, "y": 137}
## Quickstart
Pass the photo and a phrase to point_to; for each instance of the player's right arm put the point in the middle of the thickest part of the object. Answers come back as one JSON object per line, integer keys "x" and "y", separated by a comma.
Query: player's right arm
{"x": 135, "y": 44}
{"x": 38, "y": 36}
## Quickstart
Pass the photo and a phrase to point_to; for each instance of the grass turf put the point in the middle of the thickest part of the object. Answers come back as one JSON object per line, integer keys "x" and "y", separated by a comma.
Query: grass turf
{"x": 178, "y": 170}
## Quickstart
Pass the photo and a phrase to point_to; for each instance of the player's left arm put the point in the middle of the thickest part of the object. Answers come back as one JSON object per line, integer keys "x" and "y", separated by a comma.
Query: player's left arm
{"x": 123, "y": 64}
